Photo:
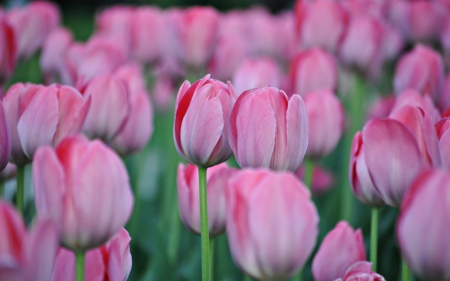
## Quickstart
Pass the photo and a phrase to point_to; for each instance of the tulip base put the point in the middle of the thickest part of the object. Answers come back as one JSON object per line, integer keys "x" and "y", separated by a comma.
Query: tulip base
{"x": 20, "y": 177}
{"x": 79, "y": 265}
{"x": 374, "y": 238}
{"x": 406, "y": 272}
{"x": 204, "y": 224}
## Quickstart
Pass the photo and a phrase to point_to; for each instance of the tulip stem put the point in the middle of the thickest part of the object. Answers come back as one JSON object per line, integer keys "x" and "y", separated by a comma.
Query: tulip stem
{"x": 79, "y": 265}
{"x": 298, "y": 277}
{"x": 20, "y": 187}
{"x": 211, "y": 258}
{"x": 247, "y": 278}
{"x": 374, "y": 238}
{"x": 2, "y": 186}
{"x": 308, "y": 174}
{"x": 204, "y": 224}
{"x": 406, "y": 273}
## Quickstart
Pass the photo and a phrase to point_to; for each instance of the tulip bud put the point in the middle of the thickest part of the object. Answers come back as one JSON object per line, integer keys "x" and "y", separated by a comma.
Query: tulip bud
{"x": 313, "y": 70}
{"x": 8, "y": 50}
{"x": 270, "y": 243}
{"x": 423, "y": 225}
{"x": 267, "y": 129}
{"x": 341, "y": 248}
{"x": 361, "y": 271}
{"x": 70, "y": 180}
{"x": 202, "y": 113}
{"x": 189, "y": 198}
{"x": 326, "y": 116}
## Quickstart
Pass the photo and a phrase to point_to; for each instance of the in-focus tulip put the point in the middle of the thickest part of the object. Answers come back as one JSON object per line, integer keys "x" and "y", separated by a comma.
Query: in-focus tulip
{"x": 202, "y": 115}
{"x": 361, "y": 271}
{"x": 8, "y": 50}
{"x": 326, "y": 119}
{"x": 341, "y": 248}
{"x": 313, "y": 70}
{"x": 267, "y": 129}
{"x": 25, "y": 256}
{"x": 84, "y": 187}
{"x": 41, "y": 115}
{"x": 270, "y": 243}
{"x": 189, "y": 198}
{"x": 256, "y": 73}
{"x": 421, "y": 69}
{"x": 423, "y": 226}
{"x": 109, "y": 262}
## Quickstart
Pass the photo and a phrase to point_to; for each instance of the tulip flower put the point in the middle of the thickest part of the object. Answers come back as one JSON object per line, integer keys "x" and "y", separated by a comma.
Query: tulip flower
{"x": 70, "y": 180}
{"x": 361, "y": 271}
{"x": 26, "y": 256}
{"x": 421, "y": 69}
{"x": 256, "y": 73}
{"x": 8, "y": 53}
{"x": 381, "y": 107}
{"x": 189, "y": 201}
{"x": 111, "y": 261}
{"x": 313, "y": 70}
{"x": 270, "y": 243}
{"x": 201, "y": 118}
{"x": 340, "y": 248}
{"x": 414, "y": 98}
{"x": 322, "y": 180}
{"x": 267, "y": 129}
{"x": 326, "y": 116}
{"x": 423, "y": 225}
{"x": 261, "y": 31}
{"x": 443, "y": 133}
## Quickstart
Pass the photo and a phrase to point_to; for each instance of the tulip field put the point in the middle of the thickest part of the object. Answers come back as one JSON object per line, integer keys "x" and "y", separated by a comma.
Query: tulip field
{"x": 192, "y": 143}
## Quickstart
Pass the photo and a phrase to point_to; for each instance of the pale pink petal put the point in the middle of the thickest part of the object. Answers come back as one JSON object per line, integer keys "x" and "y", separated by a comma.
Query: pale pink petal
{"x": 297, "y": 129}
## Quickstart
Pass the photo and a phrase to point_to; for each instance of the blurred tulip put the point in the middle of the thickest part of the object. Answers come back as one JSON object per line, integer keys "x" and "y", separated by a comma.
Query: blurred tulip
{"x": 267, "y": 129}
{"x": 189, "y": 200}
{"x": 443, "y": 133}
{"x": 414, "y": 98}
{"x": 421, "y": 69}
{"x": 109, "y": 262}
{"x": 254, "y": 230}
{"x": 326, "y": 116}
{"x": 320, "y": 23}
{"x": 25, "y": 256}
{"x": 196, "y": 34}
{"x": 381, "y": 107}
{"x": 256, "y": 73}
{"x": 322, "y": 180}
{"x": 285, "y": 36}
{"x": 392, "y": 42}
{"x": 445, "y": 38}
{"x": 41, "y": 115}
{"x": 340, "y": 248}
{"x": 422, "y": 226}
{"x": 110, "y": 106}
{"x": 5, "y": 139}
{"x": 313, "y": 70}
{"x": 8, "y": 50}
{"x": 32, "y": 24}
{"x": 260, "y": 32}
{"x": 8, "y": 173}
{"x": 68, "y": 183}
{"x": 361, "y": 271}
{"x": 202, "y": 113}
{"x": 444, "y": 102}
{"x": 163, "y": 92}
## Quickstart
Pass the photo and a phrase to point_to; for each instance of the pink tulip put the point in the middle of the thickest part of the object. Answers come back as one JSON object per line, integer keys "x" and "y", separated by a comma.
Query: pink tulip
{"x": 445, "y": 37}
{"x": 285, "y": 36}
{"x": 254, "y": 230}
{"x": 71, "y": 180}
{"x": 32, "y": 24}
{"x": 197, "y": 33}
{"x": 321, "y": 23}
{"x": 267, "y": 129}
{"x": 256, "y": 73}
{"x": 41, "y": 115}
{"x": 392, "y": 43}
{"x": 25, "y": 256}
{"x": 189, "y": 200}
{"x": 414, "y": 98}
{"x": 421, "y": 69}
{"x": 443, "y": 133}
{"x": 381, "y": 107}
{"x": 8, "y": 50}
{"x": 341, "y": 248}
{"x": 109, "y": 262}
{"x": 163, "y": 92}
{"x": 361, "y": 271}
{"x": 260, "y": 32}
{"x": 444, "y": 102}
{"x": 326, "y": 116}
{"x": 322, "y": 179}
{"x": 313, "y": 70}
{"x": 8, "y": 173}
{"x": 423, "y": 224}
{"x": 202, "y": 113}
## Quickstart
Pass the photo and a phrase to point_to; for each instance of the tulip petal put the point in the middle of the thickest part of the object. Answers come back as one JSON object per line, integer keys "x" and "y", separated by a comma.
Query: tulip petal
{"x": 297, "y": 128}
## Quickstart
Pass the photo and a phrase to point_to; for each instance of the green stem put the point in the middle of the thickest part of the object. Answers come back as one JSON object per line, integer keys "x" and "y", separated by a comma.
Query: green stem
{"x": 298, "y": 277}
{"x": 247, "y": 278}
{"x": 308, "y": 172}
{"x": 374, "y": 238}
{"x": 211, "y": 258}
{"x": 406, "y": 273}
{"x": 204, "y": 224}
{"x": 79, "y": 264}
{"x": 20, "y": 177}
{"x": 2, "y": 186}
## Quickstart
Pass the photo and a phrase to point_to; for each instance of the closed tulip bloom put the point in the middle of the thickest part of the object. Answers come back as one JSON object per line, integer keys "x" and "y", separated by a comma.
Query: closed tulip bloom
{"x": 68, "y": 182}
{"x": 340, "y": 248}
{"x": 267, "y": 129}
{"x": 381, "y": 107}
{"x": 422, "y": 226}
{"x": 256, "y": 73}
{"x": 361, "y": 271}
{"x": 261, "y": 30}
{"x": 313, "y": 70}
{"x": 8, "y": 50}
{"x": 26, "y": 256}
{"x": 414, "y": 98}
{"x": 326, "y": 116}
{"x": 189, "y": 198}
{"x": 421, "y": 69}
{"x": 270, "y": 243}
{"x": 202, "y": 114}
{"x": 392, "y": 43}
{"x": 109, "y": 262}
{"x": 41, "y": 115}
